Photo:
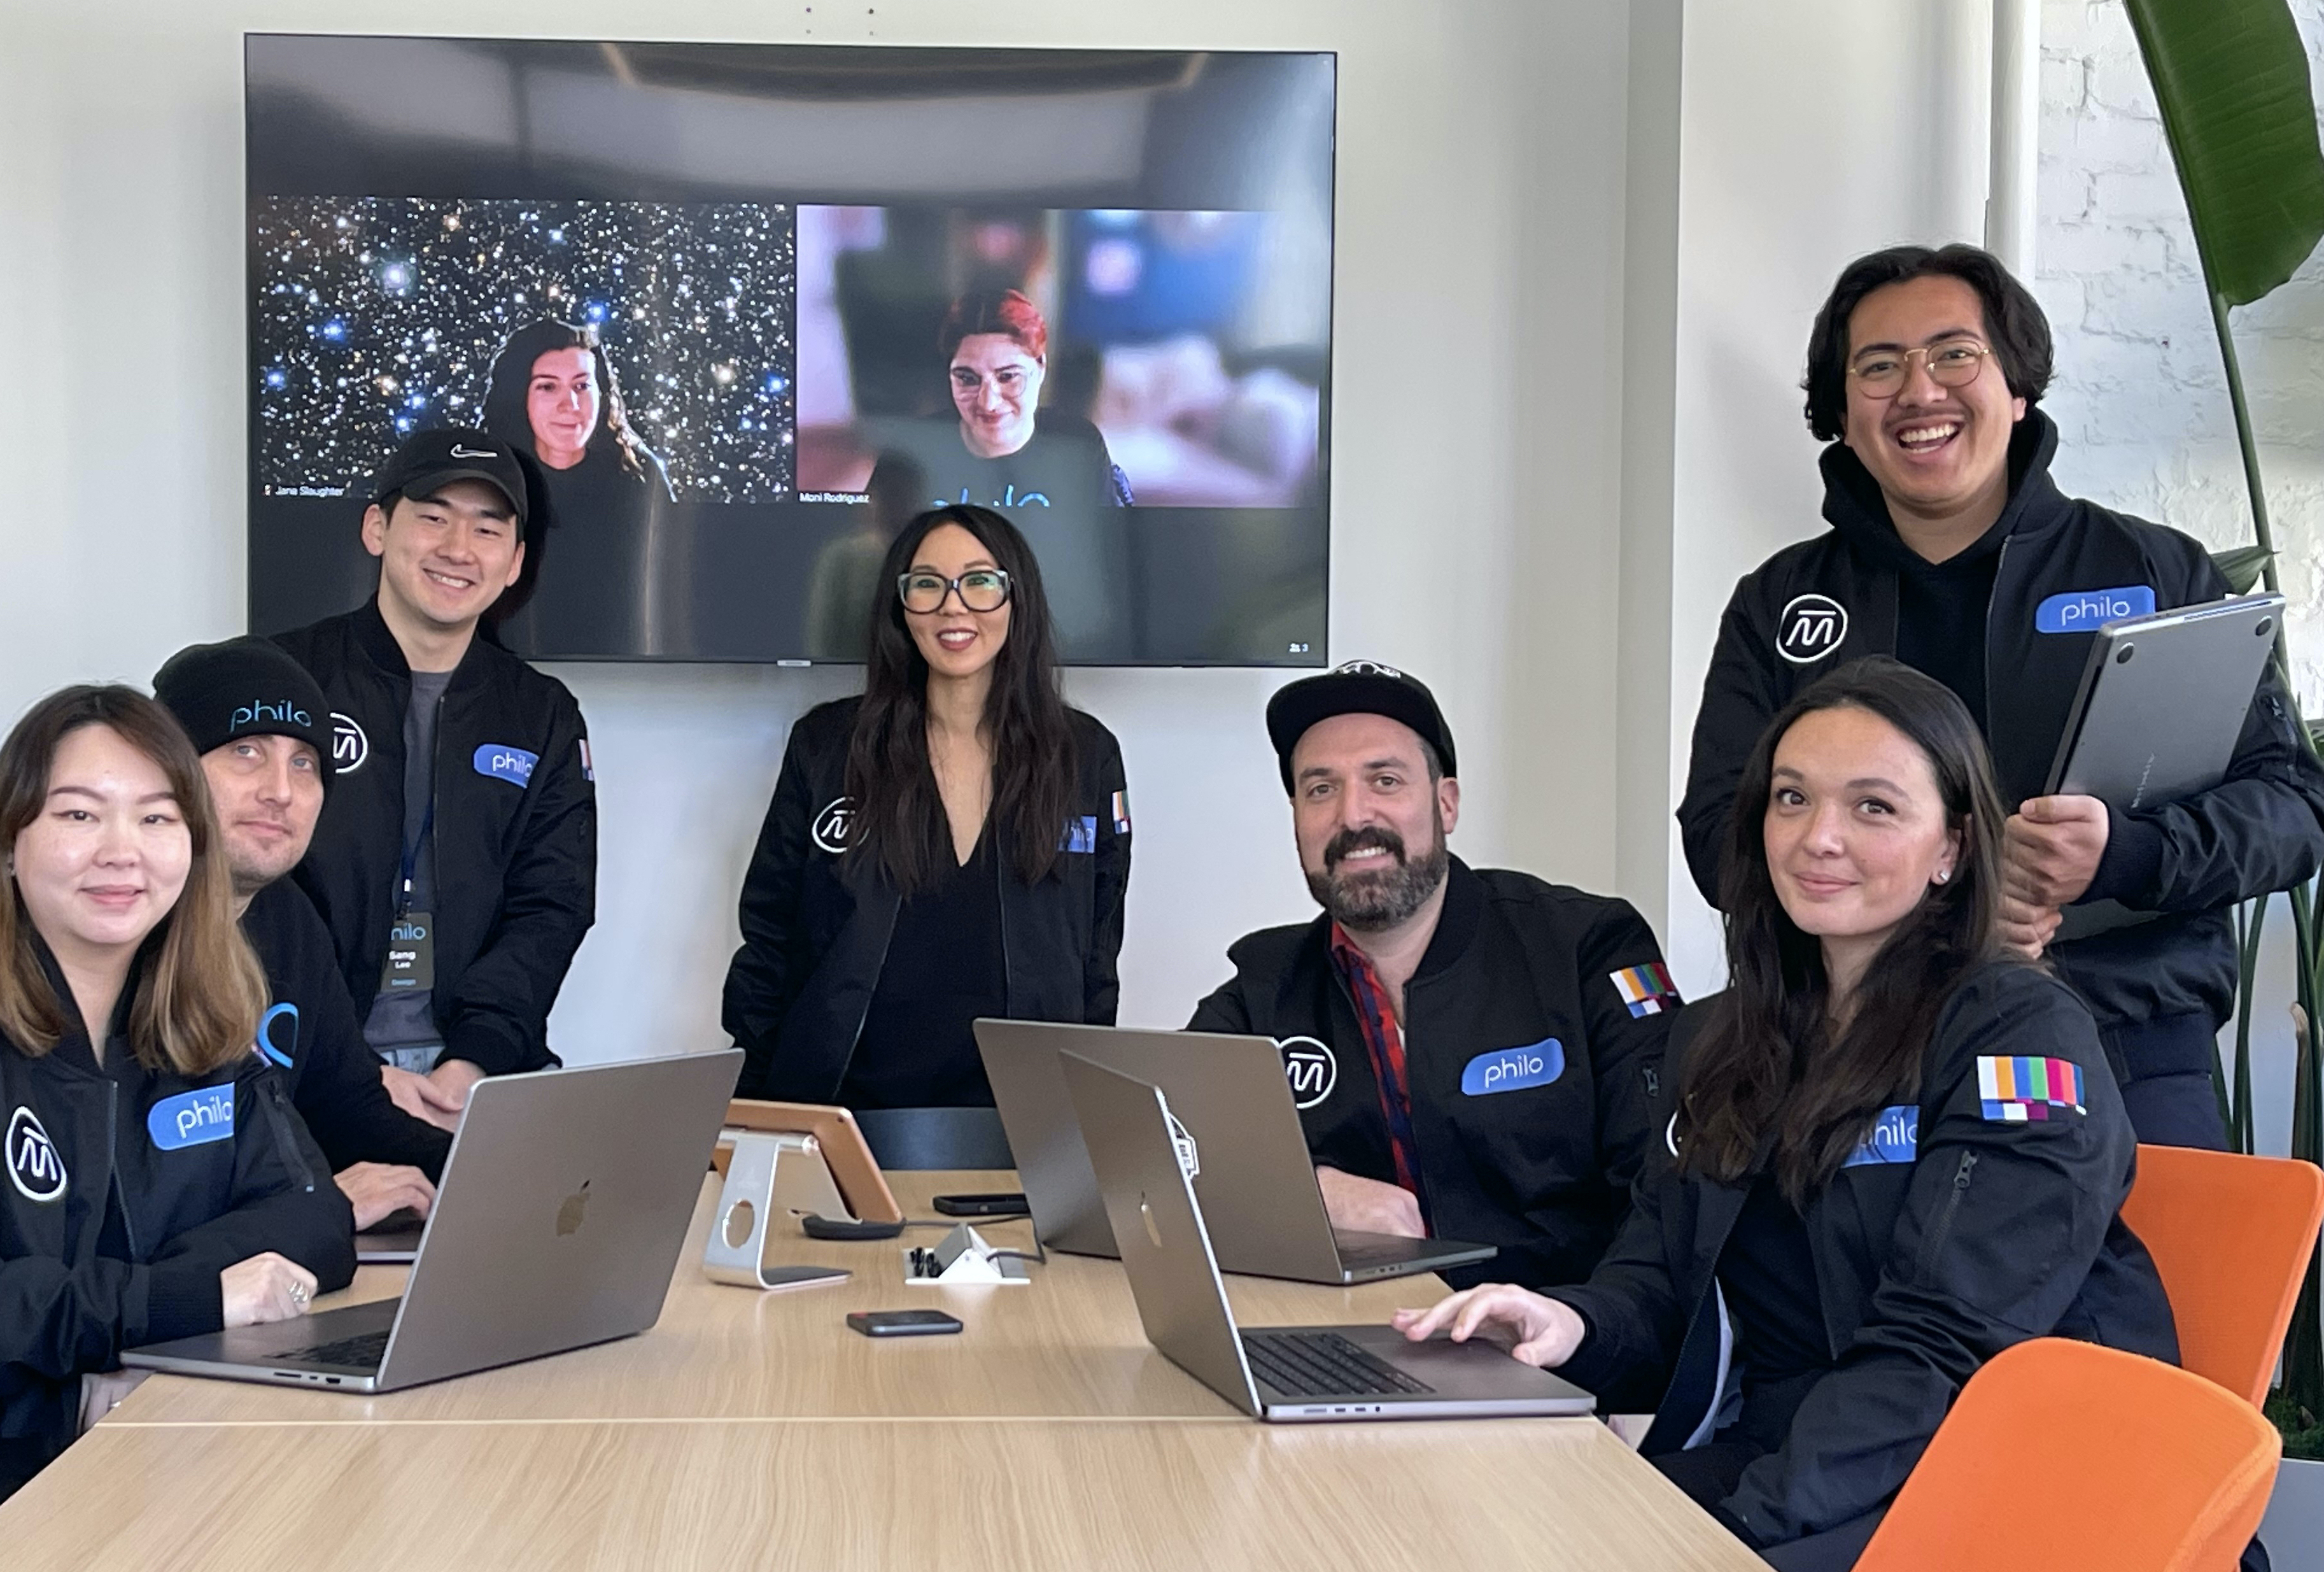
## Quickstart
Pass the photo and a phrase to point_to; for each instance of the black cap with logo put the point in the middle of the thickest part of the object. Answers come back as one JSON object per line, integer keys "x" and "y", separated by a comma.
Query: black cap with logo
{"x": 1357, "y": 688}
{"x": 246, "y": 686}
{"x": 429, "y": 461}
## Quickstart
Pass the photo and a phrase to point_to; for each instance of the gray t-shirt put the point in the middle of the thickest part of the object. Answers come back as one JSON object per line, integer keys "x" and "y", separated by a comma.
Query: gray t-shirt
{"x": 401, "y": 1029}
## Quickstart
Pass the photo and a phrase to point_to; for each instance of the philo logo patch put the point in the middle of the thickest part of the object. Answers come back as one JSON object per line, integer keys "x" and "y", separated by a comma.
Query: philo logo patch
{"x": 1895, "y": 1138}
{"x": 506, "y": 762}
{"x": 276, "y": 1046}
{"x": 1810, "y": 628}
{"x": 193, "y": 1118}
{"x": 258, "y": 711}
{"x": 34, "y": 1166}
{"x": 2081, "y": 611}
{"x": 1514, "y": 1069}
{"x": 1080, "y": 835}
{"x": 832, "y": 825}
{"x": 1311, "y": 1068}
{"x": 349, "y": 746}
{"x": 1189, "y": 1158}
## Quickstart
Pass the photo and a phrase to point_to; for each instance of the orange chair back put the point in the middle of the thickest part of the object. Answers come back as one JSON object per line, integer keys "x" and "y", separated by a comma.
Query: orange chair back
{"x": 2231, "y": 1237}
{"x": 2072, "y": 1457}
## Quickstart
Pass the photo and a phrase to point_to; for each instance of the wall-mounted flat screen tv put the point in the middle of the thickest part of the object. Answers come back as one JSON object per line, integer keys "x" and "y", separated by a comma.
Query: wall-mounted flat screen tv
{"x": 747, "y": 309}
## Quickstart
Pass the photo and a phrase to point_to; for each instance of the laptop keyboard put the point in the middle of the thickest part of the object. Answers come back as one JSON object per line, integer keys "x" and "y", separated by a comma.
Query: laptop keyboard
{"x": 363, "y": 1351}
{"x": 1324, "y": 1364}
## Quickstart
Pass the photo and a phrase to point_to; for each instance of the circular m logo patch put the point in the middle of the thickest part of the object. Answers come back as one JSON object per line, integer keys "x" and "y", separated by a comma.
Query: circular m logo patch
{"x": 349, "y": 746}
{"x": 832, "y": 825}
{"x": 34, "y": 1166}
{"x": 1311, "y": 1068}
{"x": 1811, "y": 627}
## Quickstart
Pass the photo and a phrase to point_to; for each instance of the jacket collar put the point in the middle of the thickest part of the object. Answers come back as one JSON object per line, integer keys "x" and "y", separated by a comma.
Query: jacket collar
{"x": 1456, "y": 923}
{"x": 76, "y": 1034}
{"x": 1854, "y": 507}
{"x": 377, "y": 642}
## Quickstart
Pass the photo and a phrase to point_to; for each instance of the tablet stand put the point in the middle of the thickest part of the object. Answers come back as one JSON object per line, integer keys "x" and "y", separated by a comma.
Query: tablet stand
{"x": 768, "y": 1176}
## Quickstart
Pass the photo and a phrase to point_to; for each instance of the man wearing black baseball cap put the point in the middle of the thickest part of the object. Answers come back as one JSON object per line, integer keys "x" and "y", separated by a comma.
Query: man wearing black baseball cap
{"x": 1474, "y": 1053}
{"x": 455, "y": 860}
{"x": 264, "y": 734}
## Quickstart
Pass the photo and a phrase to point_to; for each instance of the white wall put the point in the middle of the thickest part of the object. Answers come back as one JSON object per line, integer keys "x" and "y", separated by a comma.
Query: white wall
{"x": 1476, "y": 483}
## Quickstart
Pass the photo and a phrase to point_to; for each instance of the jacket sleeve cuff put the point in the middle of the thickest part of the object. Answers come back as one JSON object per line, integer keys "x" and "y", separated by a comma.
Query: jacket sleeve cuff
{"x": 490, "y": 1052}
{"x": 1587, "y": 1366}
{"x": 2131, "y": 865}
{"x": 182, "y": 1299}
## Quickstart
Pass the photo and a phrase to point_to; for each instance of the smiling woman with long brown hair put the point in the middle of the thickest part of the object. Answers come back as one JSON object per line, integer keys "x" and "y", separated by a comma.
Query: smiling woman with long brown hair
{"x": 159, "y": 1184}
{"x": 1895, "y": 1149}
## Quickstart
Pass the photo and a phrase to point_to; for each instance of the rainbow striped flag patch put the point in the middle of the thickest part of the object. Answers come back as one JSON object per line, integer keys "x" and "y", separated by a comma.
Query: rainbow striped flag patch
{"x": 2015, "y": 1090}
{"x": 1647, "y": 990}
{"x": 1121, "y": 813}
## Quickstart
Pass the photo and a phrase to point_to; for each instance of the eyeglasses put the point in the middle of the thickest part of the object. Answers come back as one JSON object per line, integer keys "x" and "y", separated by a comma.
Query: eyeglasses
{"x": 1955, "y": 363}
{"x": 980, "y": 590}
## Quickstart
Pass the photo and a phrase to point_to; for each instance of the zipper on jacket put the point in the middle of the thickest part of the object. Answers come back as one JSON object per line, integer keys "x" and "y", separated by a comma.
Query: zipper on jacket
{"x": 112, "y": 1167}
{"x": 269, "y": 1097}
{"x": 2000, "y": 562}
{"x": 1935, "y": 1242}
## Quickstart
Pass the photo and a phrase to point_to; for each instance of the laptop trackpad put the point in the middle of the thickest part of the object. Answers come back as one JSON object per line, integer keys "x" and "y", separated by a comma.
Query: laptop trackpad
{"x": 281, "y": 1342}
{"x": 1477, "y": 1369}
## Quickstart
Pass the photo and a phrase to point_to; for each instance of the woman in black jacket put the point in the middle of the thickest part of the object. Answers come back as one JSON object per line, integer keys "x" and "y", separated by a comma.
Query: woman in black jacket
{"x": 1894, "y": 1150}
{"x": 158, "y": 1183}
{"x": 954, "y": 842}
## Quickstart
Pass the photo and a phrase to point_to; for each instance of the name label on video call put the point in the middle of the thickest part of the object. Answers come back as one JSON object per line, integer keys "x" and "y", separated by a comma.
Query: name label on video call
{"x": 1515, "y": 1069}
{"x": 505, "y": 761}
{"x": 1895, "y": 1138}
{"x": 194, "y": 1118}
{"x": 2081, "y": 611}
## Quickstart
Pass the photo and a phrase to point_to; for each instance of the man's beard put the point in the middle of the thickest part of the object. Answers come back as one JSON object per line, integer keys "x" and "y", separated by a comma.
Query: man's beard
{"x": 1371, "y": 901}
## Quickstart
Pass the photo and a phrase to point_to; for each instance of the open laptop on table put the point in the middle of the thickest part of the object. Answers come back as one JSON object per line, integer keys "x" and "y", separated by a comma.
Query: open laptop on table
{"x": 1239, "y": 1134}
{"x": 559, "y": 1220}
{"x": 1274, "y": 1373}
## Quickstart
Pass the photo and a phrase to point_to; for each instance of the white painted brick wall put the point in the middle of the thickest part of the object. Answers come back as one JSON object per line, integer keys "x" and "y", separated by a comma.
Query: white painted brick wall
{"x": 2139, "y": 399}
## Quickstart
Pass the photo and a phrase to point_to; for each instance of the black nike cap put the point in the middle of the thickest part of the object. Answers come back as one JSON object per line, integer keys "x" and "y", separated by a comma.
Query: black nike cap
{"x": 429, "y": 461}
{"x": 1357, "y": 688}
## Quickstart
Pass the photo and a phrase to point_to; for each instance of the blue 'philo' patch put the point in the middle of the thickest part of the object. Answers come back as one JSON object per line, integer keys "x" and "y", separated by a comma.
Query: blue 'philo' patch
{"x": 505, "y": 763}
{"x": 192, "y": 1118}
{"x": 2081, "y": 611}
{"x": 1080, "y": 835}
{"x": 1513, "y": 1069}
{"x": 1895, "y": 1138}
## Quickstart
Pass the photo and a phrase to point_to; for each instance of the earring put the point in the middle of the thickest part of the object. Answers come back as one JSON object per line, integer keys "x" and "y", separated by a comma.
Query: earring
{"x": 1943, "y": 873}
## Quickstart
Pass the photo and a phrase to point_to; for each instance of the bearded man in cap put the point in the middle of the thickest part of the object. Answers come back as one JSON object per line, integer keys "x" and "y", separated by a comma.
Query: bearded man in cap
{"x": 260, "y": 726}
{"x": 1474, "y": 1053}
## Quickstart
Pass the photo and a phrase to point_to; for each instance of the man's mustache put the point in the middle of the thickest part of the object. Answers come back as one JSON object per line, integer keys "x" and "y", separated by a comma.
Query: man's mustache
{"x": 1366, "y": 838}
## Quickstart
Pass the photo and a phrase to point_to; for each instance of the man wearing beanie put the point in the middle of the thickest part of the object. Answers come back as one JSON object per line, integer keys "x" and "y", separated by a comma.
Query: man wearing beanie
{"x": 260, "y": 724}
{"x": 455, "y": 861}
{"x": 1475, "y": 1053}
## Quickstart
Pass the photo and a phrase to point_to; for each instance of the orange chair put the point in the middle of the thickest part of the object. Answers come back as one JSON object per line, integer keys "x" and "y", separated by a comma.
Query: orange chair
{"x": 2072, "y": 1458}
{"x": 2231, "y": 1237}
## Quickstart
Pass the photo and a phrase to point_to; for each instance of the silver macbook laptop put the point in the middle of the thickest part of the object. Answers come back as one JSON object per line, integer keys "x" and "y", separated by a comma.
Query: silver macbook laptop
{"x": 1237, "y": 1132}
{"x": 1276, "y": 1372}
{"x": 558, "y": 1222}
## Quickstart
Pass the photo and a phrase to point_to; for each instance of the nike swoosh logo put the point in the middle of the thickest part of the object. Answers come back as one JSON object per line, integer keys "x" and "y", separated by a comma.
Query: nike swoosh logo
{"x": 460, "y": 452}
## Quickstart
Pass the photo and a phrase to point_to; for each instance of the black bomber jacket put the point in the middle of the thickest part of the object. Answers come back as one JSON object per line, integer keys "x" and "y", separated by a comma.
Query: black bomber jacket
{"x": 515, "y": 834}
{"x": 1532, "y": 1078}
{"x": 815, "y": 923}
{"x": 128, "y": 1191}
{"x": 1958, "y": 1229}
{"x": 2065, "y": 565}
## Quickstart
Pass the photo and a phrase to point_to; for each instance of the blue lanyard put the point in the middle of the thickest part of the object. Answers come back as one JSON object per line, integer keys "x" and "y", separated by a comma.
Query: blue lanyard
{"x": 411, "y": 858}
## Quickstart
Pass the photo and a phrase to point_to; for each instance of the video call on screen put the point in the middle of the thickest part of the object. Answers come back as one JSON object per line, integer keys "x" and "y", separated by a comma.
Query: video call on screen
{"x": 707, "y": 288}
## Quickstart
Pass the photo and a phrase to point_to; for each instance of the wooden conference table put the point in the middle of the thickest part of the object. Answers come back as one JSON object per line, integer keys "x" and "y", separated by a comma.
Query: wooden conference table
{"x": 754, "y": 1430}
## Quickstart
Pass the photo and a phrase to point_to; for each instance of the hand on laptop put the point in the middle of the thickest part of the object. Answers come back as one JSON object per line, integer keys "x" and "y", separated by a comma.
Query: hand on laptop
{"x": 266, "y": 1288}
{"x": 1543, "y": 1332}
{"x": 1363, "y": 1206}
{"x": 421, "y": 1098}
{"x": 453, "y": 1079}
{"x": 2051, "y": 848}
{"x": 376, "y": 1189}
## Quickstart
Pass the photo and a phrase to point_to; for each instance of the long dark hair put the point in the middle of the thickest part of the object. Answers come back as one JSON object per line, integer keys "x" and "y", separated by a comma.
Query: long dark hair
{"x": 899, "y": 817}
{"x": 505, "y": 414}
{"x": 2013, "y": 323}
{"x": 1766, "y": 1065}
{"x": 198, "y": 988}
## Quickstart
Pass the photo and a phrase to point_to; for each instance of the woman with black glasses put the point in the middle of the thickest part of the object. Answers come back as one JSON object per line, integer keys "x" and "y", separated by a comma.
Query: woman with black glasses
{"x": 953, "y": 844}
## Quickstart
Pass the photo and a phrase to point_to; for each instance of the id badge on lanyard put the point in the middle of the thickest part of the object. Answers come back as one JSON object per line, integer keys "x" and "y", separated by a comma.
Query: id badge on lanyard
{"x": 411, "y": 940}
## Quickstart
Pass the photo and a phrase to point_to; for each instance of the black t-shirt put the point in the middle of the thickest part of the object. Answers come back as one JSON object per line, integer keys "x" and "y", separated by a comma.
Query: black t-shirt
{"x": 944, "y": 968}
{"x": 1940, "y": 615}
{"x": 1767, "y": 1273}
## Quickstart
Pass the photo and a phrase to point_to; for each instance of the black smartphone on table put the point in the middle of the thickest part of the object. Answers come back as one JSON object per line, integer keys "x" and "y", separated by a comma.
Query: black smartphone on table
{"x": 1008, "y": 1203}
{"x": 902, "y": 1323}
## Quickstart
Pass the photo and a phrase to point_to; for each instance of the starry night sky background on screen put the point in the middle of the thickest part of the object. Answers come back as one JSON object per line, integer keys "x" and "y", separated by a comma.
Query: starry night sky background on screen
{"x": 377, "y": 316}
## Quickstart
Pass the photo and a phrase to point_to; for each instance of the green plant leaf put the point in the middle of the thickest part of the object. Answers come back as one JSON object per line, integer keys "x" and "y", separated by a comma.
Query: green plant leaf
{"x": 2231, "y": 80}
{"x": 2240, "y": 565}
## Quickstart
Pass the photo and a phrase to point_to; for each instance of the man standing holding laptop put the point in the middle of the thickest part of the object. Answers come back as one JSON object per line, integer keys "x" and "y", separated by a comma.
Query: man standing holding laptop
{"x": 1952, "y": 549}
